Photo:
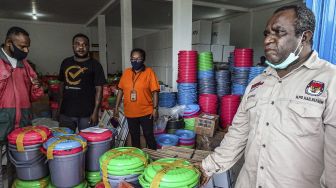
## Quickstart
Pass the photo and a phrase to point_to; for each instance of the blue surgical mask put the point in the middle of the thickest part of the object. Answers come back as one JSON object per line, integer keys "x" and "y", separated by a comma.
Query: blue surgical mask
{"x": 137, "y": 64}
{"x": 289, "y": 60}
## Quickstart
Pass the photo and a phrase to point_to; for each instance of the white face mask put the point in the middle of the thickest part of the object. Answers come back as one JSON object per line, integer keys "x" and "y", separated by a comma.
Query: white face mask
{"x": 289, "y": 60}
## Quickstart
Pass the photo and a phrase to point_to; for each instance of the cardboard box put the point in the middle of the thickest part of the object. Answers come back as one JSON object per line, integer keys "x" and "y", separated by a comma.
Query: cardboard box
{"x": 226, "y": 52}
{"x": 206, "y": 124}
{"x": 201, "y": 32}
{"x": 201, "y": 48}
{"x": 217, "y": 52}
{"x": 220, "y": 33}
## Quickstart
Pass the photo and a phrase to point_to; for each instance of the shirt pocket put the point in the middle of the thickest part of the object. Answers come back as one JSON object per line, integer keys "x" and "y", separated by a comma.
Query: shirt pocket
{"x": 303, "y": 119}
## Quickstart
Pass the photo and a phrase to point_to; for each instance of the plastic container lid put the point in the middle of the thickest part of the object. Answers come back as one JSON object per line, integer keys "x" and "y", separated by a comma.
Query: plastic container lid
{"x": 187, "y": 143}
{"x": 84, "y": 184}
{"x": 31, "y": 137}
{"x": 63, "y": 152}
{"x": 54, "y": 81}
{"x": 183, "y": 175}
{"x": 185, "y": 134}
{"x": 191, "y": 109}
{"x": 96, "y": 134}
{"x": 128, "y": 163}
{"x": 41, "y": 183}
{"x": 167, "y": 140}
{"x": 93, "y": 176}
{"x": 66, "y": 144}
{"x": 59, "y": 131}
{"x": 124, "y": 172}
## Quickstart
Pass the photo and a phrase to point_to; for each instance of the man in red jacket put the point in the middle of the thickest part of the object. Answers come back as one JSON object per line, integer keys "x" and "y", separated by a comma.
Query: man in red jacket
{"x": 16, "y": 81}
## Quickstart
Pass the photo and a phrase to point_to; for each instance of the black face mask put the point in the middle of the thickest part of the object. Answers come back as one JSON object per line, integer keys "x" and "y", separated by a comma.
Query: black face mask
{"x": 18, "y": 54}
{"x": 137, "y": 65}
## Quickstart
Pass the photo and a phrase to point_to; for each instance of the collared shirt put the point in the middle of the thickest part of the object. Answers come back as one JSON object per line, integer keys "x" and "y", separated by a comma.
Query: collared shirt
{"x": 11, "y": 60}
{"x": 144, "y": 83}
{"x": 285, "y": 128}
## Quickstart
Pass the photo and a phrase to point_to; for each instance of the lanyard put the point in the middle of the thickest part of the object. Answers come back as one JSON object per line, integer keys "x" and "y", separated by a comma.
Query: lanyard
{"x": 136, "y": 78}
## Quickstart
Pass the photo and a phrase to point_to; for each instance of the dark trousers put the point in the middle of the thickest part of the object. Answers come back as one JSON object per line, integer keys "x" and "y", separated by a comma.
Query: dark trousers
{"x": 74, "y": 122}
{"x": 147, "y": 128}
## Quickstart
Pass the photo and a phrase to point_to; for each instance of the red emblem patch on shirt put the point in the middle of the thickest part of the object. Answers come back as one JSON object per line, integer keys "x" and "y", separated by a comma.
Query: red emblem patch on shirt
{"x": 256, "y": 85}
{"x": 315, "y": 88}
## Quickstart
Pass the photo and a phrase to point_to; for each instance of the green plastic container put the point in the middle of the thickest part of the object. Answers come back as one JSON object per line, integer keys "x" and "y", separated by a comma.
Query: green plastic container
{"x": 184, "y": 176}
{"x": 84, "y": 184}
{"x": 112, "y": 100}
{"x": 125, "y": 164}
{"x": 189, "y": 124}
{"x": 93, "y": 178}
{"x": 54, "y": 81}
{"x": 190, "y": 147}
{"x": 41, "y": 183}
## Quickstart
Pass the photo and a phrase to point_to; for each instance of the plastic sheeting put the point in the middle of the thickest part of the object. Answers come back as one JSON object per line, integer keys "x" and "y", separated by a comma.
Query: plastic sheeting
{"x": 325, "y": 28}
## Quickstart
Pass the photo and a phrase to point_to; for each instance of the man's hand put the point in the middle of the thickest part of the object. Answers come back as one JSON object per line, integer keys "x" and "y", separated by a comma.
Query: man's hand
{"x": 94, "y": 119}
{"x": 155, "y": 115}
{"x": 204, "y": 179}
{"x": 35, "y": 81}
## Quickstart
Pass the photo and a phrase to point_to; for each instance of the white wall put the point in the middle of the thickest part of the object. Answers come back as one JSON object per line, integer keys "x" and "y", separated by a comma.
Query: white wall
{"x": 239, "y": 28}
{"x": 50, "y": 42}
{"x": 247, "y": 29}
{"x": 113, "y": 37}
{"x": 158, "y": 47}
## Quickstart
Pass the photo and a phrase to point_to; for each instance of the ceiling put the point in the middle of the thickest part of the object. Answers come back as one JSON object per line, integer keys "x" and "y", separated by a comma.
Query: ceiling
{"x": 150, "y": 14}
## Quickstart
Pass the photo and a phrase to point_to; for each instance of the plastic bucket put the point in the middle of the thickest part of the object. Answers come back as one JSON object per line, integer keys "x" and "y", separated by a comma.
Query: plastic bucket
{"x": 31, "y": 170}
{"x": 125, "y": 178}
{"x": 29, "y": 153}
{"x": 115, "y": 182}
{"x": 84, "y": 184}
{"x": 68, "y": 170}
{"x": 95, "y": 150}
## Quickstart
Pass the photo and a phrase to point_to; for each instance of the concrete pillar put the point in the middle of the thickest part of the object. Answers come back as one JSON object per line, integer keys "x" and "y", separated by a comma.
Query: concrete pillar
{"x": 126, "y": 32}
{"x": 182, "y": 32}
{"x": 102, "y": 42}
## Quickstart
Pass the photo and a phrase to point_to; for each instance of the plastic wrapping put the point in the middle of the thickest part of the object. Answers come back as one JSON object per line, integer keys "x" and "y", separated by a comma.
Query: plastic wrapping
{"x": 172, "y": 113}
{"x": 161, "y": 123}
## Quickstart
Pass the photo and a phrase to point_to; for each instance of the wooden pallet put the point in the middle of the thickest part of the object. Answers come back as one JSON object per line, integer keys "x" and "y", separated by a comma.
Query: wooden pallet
{"x": 191, "y": 155}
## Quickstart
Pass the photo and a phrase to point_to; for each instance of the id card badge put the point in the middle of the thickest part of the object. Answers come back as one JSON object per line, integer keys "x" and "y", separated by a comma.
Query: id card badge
{"x": 133, "y": 96}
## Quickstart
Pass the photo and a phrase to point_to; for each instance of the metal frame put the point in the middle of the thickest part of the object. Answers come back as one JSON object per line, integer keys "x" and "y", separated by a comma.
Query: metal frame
{"x": 121, "y": 132}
